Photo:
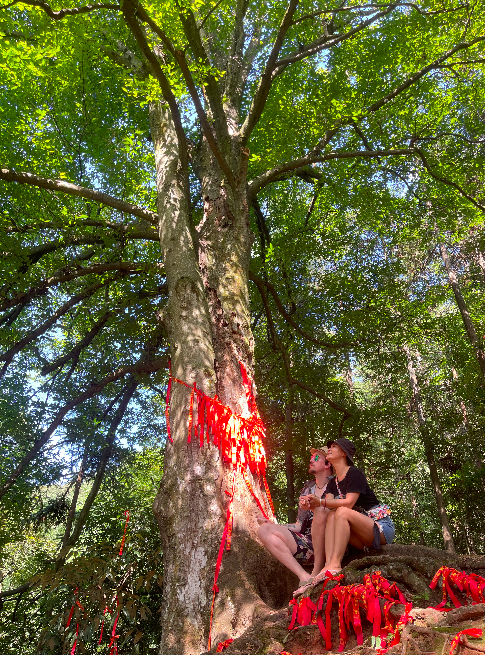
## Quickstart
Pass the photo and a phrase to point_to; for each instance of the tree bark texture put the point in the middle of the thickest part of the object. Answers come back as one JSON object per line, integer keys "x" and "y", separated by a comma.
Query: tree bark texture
{"x": 290, "y": 481}
{"x": 433, "y": 471}
{"x": 207, "y": 320}
{"x": 464, "y": 311}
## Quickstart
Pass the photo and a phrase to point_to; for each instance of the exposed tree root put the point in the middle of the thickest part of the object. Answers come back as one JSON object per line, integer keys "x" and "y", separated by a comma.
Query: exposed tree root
{"x": 412, "y": 567}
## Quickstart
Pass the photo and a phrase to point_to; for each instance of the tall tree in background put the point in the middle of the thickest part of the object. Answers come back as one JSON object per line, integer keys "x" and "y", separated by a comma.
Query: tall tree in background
{"x": 246, "y": 105}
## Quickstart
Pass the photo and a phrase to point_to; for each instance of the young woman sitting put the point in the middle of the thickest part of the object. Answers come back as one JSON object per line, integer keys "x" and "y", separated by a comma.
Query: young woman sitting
{"x": 356, "y": 517}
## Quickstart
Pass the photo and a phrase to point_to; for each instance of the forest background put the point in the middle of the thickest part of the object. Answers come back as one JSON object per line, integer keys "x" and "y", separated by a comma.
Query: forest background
{"x": 366, "y": 279}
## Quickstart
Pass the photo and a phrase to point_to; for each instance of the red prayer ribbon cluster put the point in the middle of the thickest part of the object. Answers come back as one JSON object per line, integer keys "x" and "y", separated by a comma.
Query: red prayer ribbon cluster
{"x": 240, "y": 441}
{"x": 471, "y": 583}
{"x": 350, "y": 600}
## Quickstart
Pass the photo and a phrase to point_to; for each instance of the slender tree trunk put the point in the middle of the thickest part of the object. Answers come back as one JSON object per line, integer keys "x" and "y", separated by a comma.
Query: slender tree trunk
{"x": 464, "y": 311}
{"x": 433, "y": 470}
{"x": 208, "y": 324}
{"x": 290, "y": 482}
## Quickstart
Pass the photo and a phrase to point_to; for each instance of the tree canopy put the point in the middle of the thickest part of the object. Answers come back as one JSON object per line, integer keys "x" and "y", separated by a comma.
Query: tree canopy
{"x": 351, "y": 137}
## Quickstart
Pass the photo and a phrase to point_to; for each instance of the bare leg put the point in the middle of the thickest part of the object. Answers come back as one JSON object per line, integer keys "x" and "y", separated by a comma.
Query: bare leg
{"x": 318, "y": 538}
{"x": 280, "y": 543}
{"x": 329, "y": 538}
{"x": 349, "y": 527}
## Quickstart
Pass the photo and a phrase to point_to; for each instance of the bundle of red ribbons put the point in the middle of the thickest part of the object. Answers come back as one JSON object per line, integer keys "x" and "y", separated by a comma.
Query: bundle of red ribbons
{"x": 352, "y": 599}
{"x": 472, "y": 584}
{"x": 240, "y": 440}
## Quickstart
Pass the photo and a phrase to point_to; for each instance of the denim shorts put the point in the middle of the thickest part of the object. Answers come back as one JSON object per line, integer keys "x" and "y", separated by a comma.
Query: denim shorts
{"x": 387, "y": 527}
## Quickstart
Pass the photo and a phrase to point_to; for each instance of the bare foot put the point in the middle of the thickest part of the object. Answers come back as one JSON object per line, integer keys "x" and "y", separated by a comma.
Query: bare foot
{"x": 325, "y": 573}
{"x": 304, "y": 585}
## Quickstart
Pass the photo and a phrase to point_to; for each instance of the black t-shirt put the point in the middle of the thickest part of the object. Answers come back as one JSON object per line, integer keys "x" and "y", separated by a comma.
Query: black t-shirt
{"x": 354, "y": 482}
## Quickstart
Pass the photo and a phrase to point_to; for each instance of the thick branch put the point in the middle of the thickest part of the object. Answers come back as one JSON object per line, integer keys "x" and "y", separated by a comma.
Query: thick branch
{"x": 53, "y": 318}
{"x": 57, "y": 15}
{"x": 274, "y": 174}
{"x": 74, "y": 352}
{"x": 96, "y": 269}
{"x": 421, "y": 73}
{"x": 105, "y": 456}
{"x": 325, "y": 42}
{"x": 261, "y": 284}
{"x": 180, "y": 58}
{"x": 74, "y": 190}
{"x": 212, "y": 90}
{"x": 264, "y": 86}
{"x": 141, "y": 367}
{"x": 130, "y": 14}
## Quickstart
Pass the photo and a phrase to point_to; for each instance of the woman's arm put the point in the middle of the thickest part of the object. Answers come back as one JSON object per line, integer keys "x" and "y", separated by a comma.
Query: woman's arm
{"x": 329, "y": 501}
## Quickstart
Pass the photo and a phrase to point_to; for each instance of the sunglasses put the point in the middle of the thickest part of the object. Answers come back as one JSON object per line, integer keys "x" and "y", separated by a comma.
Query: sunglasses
{"x": 315, "y": 458}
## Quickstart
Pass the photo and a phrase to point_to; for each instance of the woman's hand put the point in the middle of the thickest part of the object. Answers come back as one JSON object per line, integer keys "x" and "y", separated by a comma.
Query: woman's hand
{"x": 310, "y": 502}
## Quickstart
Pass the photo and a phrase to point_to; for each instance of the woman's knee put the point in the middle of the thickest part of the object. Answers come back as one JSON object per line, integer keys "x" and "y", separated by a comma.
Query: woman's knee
{"x": 343, "y": 512}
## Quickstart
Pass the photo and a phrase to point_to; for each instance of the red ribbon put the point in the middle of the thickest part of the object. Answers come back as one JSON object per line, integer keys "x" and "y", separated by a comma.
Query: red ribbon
{"x": 113, "y": 644}
{"x": 222, "y": 645}
{"x": 472, "y": 584}
{"x": 472, "y": 632}
{"x": 127, "y": 514}
{"x": 167, "y": 402}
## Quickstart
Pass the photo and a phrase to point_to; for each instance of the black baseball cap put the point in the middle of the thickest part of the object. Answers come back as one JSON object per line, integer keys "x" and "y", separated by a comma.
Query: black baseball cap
{"x": 346, "y": 445}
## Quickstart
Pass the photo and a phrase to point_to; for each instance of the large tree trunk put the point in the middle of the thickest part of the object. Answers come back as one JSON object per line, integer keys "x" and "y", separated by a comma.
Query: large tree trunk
{"x": 208, "y": 323}
{"x": 428, "y": 447}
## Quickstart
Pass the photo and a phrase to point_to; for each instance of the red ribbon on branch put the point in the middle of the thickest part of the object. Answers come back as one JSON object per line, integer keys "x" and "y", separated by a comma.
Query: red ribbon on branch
{"x": 76, "y": 602}
{"x": 471, "y": 632}
{"x": 350, "y": 600}
{"x": 471, "y": 583}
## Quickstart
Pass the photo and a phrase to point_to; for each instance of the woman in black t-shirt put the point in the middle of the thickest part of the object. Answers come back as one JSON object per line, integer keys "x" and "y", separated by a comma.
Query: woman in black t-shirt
{"x": 359, "y": 518}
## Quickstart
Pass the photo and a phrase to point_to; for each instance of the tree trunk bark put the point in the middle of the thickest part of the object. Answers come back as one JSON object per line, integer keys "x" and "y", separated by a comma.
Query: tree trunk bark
{"x": 464, "y": 311}
{"x": 208, "y": 324}
{"x": 424, "y": 430}
{"x": 290, "y": 481}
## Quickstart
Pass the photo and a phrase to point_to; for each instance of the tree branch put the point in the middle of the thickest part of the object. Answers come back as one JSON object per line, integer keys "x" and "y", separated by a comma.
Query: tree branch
{"x": 261, "y": 181}
{"x": 261, "y": 284}
{"x": 326, "y": 41}
{"x": 180, "y": 58}
{"x": 58, "y": 15}
{"x": 74, "y": 190}
{"x": 322, "y": 396}
{"x": 74, "y": 352}
{"x": 444, "y": 180}
{"x": 419, "y": 74}
{"x": 291, "y": 380}
{"x": 130, "y": 14}
{"x": 8, "y": 356}
{"x": 213, "y": 92}
{"x": 264, "y": 86}
{"x": 105, "y": 456}
{"x": 140, "y": 367}
{"x": 372, "y": 6}
{"x": 96, "y": 269}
